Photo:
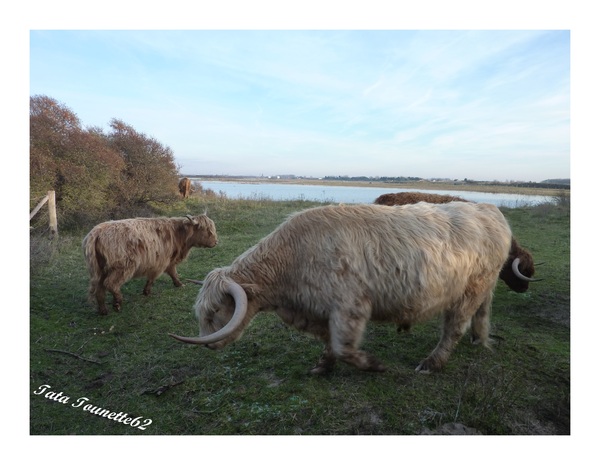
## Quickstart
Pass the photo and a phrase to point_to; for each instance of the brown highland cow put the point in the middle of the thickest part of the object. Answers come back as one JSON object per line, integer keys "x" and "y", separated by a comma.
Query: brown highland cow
{"x": 117, "y": 251}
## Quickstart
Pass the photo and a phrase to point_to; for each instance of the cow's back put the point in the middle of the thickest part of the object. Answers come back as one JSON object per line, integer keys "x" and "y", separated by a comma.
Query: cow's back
{"x": 138, "y": 244}
{"x": 412, "y": 256}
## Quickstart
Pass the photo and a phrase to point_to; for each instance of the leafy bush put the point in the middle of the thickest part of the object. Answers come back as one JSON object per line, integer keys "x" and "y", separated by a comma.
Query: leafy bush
{"x": 96, "y": 176}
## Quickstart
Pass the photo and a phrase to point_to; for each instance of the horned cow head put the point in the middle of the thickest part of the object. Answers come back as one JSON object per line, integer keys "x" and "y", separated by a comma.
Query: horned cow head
{"x": 518, "y": 270}
{"x": 221, "y": 308}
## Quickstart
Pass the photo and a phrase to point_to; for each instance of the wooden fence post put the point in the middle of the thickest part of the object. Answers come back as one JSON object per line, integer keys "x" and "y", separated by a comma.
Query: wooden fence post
{"x": 52, "y": 212}
{"x": 51, "y": 199}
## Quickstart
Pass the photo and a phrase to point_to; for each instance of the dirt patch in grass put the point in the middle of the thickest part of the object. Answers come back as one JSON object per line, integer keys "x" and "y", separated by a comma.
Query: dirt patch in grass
{"x": 553, "y": 307}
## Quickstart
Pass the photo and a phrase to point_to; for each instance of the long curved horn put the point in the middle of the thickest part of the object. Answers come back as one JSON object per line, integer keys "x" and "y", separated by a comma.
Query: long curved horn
{"x": 518, "y": 274}
{"x": 191, "y": 218}
{"x": 195, "y": 281}
{"x": 241, "y": 308}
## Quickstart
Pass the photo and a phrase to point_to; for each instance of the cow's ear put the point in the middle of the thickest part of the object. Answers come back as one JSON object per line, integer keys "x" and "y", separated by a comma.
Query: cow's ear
{"x": 252, "y": 290}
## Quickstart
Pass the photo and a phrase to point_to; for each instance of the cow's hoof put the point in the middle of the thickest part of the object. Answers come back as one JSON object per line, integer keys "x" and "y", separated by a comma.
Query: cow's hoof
{"x": 378, "y": 367}
{"x": 372, "y": 364}
{"x": 427, "y": 366}
{"x": 318, "y": 371}
{"x": 422, "y": 370}
{"x": 487, "y": 343}
{"x": 322, "y": 368}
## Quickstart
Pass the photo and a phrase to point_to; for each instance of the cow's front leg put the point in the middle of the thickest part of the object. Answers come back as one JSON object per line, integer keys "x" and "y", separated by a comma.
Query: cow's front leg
{"x": 480, "y": 322}
{"x": 347, "y": 329}
{"x": 149, "y": 283}
{"x": 326, "y": 362}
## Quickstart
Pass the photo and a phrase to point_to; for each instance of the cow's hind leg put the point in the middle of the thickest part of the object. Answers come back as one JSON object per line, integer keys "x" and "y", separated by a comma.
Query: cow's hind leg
{"x": 453, "y": 330}
{"x": 98, "y": 292}
{"x": 172, "y": 272}
{"x": 456, "y": 323}
{"x": 113, "y": 284}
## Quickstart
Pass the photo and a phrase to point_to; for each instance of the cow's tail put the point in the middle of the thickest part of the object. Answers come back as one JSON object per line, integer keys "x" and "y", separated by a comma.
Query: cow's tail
{"x": 95, "y": 263}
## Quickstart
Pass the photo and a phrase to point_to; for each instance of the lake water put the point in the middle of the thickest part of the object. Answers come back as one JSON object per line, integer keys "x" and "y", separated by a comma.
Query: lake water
{"x": 351, "y": 194}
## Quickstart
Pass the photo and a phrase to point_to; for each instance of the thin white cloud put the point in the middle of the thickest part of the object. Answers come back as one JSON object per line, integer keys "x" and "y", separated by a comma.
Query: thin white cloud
{"x": 322, "y": 96}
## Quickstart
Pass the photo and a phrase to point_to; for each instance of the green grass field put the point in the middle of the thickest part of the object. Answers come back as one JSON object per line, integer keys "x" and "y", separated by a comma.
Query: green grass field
{"x": 125, "y": 367}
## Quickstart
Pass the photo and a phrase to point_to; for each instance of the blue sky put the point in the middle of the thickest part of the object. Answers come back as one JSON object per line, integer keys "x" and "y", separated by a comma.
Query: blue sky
{"x": 486, "y": 105}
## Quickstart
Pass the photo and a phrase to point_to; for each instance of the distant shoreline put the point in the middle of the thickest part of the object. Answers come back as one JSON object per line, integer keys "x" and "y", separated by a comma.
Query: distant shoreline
{"x": 419, "y": 185}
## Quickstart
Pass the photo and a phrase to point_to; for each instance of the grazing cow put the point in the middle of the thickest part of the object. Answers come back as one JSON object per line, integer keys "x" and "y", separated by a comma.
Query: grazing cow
{"x": 404, "y": 198}
{"x": 185, "y": 187}
{"x": 519, "y": 268}
{"x": 329, "y": 270}
{"x": 117, "y": 251}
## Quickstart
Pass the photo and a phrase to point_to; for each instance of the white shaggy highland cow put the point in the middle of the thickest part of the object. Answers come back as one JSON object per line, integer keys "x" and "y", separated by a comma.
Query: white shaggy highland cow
{"x": 329, "y": 270}
{"x": 117, "y": 251}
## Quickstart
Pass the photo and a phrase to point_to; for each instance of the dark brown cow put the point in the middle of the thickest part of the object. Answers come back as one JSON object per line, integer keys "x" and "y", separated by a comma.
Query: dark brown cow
{"x": 518, "y": 270}
{"x": 117, "y": 251}
{"x": 185, "y": 187}
{"x": 405, "y": 198}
